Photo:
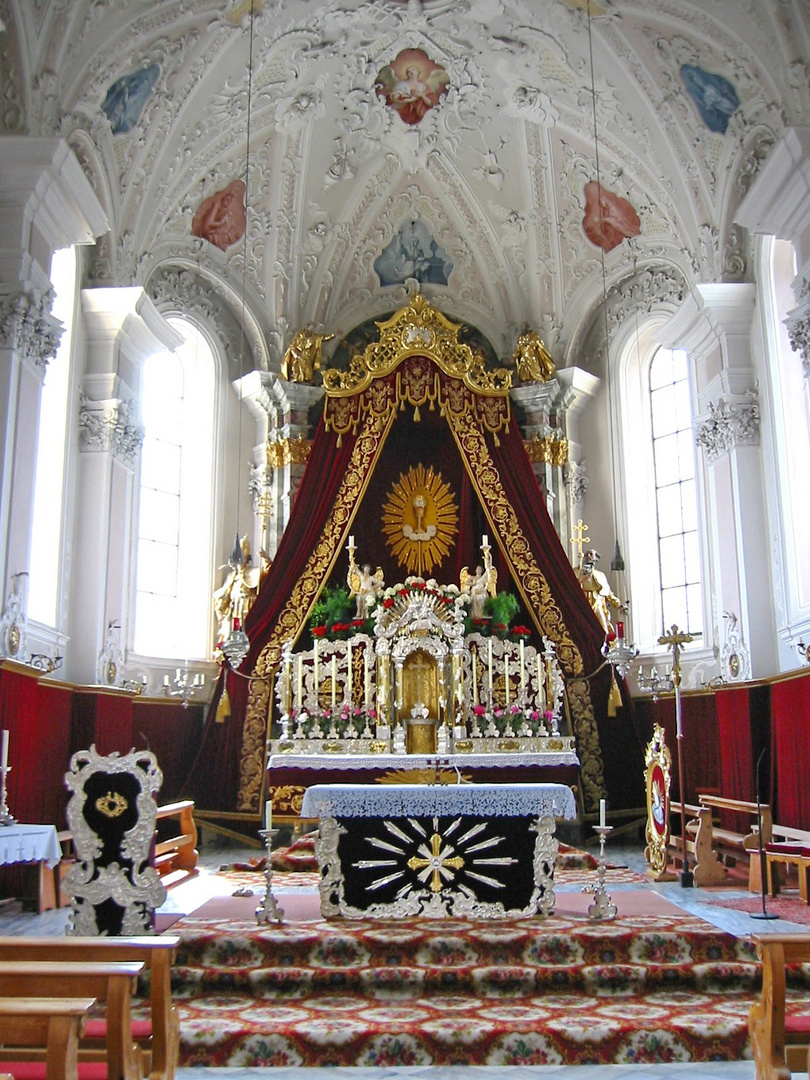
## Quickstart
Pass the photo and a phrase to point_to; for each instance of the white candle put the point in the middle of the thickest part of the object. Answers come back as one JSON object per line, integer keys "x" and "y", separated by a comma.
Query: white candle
{"x": 315, "y": 665}
{"x": 349, "y": 672}
{"x": 506, "y": 676}
{"x": 485, "y": 540}
{"x": 602, "y": 812}
{"x": 351, "y": 541}
{"x": 475, "y": 678}
{"x": 165, "y": 680}
{"x": 268, "y": 814}
{"x": 367, "y": 675}
{"x": 334, "y": 680}
{"x": 522, "y": 666}
{"x": 489, "y": 662}
{"x": 5, "y": 749}
{"x": 300, "y": 699}
{"x": 541, "y": 684}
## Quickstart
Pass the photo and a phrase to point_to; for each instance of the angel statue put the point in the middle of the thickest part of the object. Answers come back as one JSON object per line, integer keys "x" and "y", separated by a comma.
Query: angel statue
{"x": 532, "y": 359}
{"x": 364, "y": 585}
{"x": 303, "y": 357}
{"x": 481, "y": 584}
{"x": 235, "y": 596}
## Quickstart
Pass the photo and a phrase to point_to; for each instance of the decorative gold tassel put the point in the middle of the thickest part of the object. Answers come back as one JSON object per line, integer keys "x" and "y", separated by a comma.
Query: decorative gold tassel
{"x": 615, "y": 697}
{"x": 416, "y": 416}
{"x": 223, "y": 708}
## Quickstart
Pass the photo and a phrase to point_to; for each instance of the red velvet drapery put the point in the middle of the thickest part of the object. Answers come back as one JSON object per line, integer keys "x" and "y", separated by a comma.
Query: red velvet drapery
{"x": 790, "y": 734}
{"x": 734, "y": 730}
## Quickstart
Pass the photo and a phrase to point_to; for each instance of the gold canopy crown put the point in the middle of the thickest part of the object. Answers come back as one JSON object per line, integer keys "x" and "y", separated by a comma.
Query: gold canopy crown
{"x": 418, "y": 329}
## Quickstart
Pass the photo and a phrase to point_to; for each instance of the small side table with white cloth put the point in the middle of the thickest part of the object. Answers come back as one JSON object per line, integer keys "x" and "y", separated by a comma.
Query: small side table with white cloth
{"x": 474, "y": 850}
{"x": 33, "y": 844}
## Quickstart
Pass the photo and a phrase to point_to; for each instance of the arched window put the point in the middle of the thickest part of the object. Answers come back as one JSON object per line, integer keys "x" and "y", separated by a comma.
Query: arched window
{"x": 661, "y": 491}
{"x": 48, "y": 516}
{"x": 675, "y": 491}
{"x": 173, "y": 584}
{"x": 790, "y": 390}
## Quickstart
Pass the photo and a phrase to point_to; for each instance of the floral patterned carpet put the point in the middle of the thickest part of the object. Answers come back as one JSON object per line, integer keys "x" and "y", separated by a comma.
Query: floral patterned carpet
{"x": 564, "y": 990}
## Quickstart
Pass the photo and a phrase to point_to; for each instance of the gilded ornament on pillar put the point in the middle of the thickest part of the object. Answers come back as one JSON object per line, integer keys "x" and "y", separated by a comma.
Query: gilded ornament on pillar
{"x": 546, "y": 450}
{"x": 532, "y": 359}
{"x": 283, "y": 452}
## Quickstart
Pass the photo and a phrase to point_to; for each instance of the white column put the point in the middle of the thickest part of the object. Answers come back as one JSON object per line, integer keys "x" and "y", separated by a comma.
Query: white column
{"x": 122, "y": 328}
{"x": 714, "y": 326}
{"x": 46, "y": 203}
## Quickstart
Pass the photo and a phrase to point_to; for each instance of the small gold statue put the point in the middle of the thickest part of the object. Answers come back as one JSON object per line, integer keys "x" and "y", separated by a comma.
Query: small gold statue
{"x": 481, "y": 584}
{"x": 532, "y": 359}
{"x": 364, "y": 584}
{"x": 303, "y": 357}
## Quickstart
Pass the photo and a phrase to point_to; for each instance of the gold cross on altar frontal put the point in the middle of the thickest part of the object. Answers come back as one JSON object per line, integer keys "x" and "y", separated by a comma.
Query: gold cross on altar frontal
{"x": 436, "y": 862}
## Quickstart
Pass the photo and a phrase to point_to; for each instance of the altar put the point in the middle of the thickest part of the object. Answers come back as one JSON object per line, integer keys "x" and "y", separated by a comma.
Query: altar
{"x": 460, "y": 850}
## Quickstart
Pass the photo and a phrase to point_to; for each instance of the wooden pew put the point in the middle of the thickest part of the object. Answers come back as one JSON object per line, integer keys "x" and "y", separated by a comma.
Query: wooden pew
{"x": 738, "y": 844}
{"x": 706, "y": 866}
{"x": 780, "y": 1047}
{"x": 110, "y": 983}
{"x": 788, "y": 847}
{"x": 54, "y": 1024}
{"x": 159, "y": 1039}
{"x": 177, "y": 852}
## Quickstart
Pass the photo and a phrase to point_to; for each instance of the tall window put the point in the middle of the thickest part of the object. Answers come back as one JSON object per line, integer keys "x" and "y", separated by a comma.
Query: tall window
{"x": 46, "y": 541}
{"x": 675, "y": 491}
{"x": 173, "y": 588}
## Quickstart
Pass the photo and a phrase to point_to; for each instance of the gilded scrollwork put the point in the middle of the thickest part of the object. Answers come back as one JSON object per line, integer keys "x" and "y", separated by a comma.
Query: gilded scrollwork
{"x": 417, "y": 329}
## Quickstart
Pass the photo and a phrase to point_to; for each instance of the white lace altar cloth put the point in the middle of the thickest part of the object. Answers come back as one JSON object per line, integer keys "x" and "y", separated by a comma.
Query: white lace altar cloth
{"x": 29, "y": 843}
{"x": 422, "y": 800}
{"x": 419, "y": 761}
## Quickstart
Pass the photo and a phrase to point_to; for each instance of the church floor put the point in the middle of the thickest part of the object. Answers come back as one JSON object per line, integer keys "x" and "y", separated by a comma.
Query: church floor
{"x": 188, "y": 896}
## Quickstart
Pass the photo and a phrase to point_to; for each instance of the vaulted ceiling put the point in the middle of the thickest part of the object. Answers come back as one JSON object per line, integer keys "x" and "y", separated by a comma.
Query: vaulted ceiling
{"x": 474, "y": 181}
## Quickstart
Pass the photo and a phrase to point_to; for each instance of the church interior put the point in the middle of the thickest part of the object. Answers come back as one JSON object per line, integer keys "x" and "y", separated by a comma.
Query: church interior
{"x": 406, "y": 439}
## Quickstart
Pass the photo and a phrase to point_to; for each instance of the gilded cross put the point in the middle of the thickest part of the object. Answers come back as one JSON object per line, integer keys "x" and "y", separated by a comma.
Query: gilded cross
{"x": 580, "y": 539}
{"x": 435, "y": 862}
{"x": 675, "y": 639}
{"x": 420, "y": 666}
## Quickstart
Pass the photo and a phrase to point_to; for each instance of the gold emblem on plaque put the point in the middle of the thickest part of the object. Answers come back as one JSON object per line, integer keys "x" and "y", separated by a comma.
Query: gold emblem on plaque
{"x": 111, "y": 805}
{"x": 420, "y": 519}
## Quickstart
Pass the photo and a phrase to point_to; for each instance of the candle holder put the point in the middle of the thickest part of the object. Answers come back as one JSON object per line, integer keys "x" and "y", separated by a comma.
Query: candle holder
{"x": 268, "y": 910}
{"x": 602, "y": 906}
{"x": 5, "y": 817}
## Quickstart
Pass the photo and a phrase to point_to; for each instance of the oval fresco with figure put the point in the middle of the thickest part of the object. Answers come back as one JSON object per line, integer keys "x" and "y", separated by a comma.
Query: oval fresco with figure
{"x": 412, "y": 84}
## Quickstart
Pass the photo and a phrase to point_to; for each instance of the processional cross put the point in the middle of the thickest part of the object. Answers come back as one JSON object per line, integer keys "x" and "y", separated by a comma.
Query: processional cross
{"x": 436, "y": 862}
{"x": 580, "y": 539}
{"x": 675, "y": 639}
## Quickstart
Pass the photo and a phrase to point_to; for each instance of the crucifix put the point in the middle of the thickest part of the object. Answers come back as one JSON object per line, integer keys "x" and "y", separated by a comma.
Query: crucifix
{"x": 419, "y": 666}
{"x": 676, "y": 639}
{"x": 435, "y": 863}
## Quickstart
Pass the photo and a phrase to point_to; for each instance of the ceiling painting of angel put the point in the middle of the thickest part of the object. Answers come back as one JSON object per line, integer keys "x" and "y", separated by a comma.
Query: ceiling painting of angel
{"x": 412, "y": 84}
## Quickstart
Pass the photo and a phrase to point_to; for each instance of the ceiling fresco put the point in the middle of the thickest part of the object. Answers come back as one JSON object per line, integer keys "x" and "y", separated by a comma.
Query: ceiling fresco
{"x": 521, "y": 159}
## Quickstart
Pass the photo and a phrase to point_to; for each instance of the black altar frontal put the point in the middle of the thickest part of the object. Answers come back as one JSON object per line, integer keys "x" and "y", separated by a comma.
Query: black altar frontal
{"x": 465, "y": 850}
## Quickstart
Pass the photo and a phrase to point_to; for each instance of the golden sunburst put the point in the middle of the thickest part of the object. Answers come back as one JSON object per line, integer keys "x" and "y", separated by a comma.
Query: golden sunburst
{"x": 420, "y": 519}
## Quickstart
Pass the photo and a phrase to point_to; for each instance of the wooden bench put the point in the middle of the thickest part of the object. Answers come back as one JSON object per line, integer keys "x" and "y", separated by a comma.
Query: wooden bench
{"x": 177, "y": 852}
{"x": 714, "y": 847}
{"x": 706, "y": 865}
{"x": 53, "y": 1024}
{"x": 110, "y": 983}
{"x": 788, "y": 847}
{"x": 159, "y": 1037}
{"x": 780, "y": 1045}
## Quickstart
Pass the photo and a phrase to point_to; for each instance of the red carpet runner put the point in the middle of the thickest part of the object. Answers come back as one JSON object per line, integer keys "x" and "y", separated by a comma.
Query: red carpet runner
{"x": 645, "y": 988}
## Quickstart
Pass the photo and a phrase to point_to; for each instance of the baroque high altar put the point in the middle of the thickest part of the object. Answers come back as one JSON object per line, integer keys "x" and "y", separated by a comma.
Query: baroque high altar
{"x": 420, "y": 683}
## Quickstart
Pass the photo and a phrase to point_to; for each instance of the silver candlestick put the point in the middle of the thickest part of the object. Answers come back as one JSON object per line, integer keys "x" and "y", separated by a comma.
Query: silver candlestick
{"x": 268, "y": 910}
{"x": 602, "y": 906}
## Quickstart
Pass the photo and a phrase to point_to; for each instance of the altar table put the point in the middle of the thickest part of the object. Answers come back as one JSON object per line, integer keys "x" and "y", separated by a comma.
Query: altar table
{"x": 463, "y": 850}
{"x": 33, "y": 844}
{"x": 289, "y": 775}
